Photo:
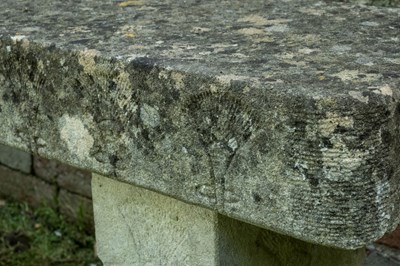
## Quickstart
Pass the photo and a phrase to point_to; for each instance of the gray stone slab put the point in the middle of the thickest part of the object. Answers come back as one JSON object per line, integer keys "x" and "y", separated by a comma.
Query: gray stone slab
{"x": 283, "y": 114}
{"x": 375, "y": 259}
{"x": 16, "y": 159}
{"x": 135, "y": 226}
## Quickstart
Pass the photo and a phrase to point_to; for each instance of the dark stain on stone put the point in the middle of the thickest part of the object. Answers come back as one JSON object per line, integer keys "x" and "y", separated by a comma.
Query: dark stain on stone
{"x": 256, "y": 197}
{"x": 15, "y": 98}
{"x": 112, "y": 85}
{"x": 81, "y": 41}
{"x": 340, "y": 130}
{"x": 113, "y": 160}
{"x": 314, "y": 181}
{"x": 326, "y": 143}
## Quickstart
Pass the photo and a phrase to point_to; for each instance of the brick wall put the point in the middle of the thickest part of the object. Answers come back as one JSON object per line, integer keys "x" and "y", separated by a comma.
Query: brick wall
{"x": 35, "y": 180}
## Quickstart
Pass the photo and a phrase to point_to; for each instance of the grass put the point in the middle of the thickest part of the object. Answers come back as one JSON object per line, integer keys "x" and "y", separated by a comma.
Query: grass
{"x": 31, "y": 237}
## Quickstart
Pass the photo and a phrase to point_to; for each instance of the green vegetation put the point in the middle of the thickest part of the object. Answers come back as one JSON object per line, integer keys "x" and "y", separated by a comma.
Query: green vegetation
{"x": 31, "y": 237}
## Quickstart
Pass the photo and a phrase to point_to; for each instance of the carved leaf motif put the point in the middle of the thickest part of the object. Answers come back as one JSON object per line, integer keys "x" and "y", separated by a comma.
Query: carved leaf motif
{"x": 224, "y": 124}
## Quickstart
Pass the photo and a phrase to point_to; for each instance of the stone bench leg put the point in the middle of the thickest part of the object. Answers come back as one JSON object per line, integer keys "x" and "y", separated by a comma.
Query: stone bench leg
{"x": 135, "y": 226}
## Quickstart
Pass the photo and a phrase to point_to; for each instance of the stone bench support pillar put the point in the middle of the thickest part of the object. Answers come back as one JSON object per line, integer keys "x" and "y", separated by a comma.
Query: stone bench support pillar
{"x": 135, "y": 226}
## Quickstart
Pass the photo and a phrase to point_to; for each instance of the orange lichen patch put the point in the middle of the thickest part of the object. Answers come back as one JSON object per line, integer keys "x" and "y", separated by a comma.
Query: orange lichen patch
{"x": 254, "y": 19}
{"x": 130, "y": 3}
{"x": 130, "y": 35}
{"x": 251, "y": 31}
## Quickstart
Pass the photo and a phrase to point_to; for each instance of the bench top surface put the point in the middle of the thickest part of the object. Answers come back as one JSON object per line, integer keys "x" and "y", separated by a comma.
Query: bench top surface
{"x": 315, "y": 47}
{"x": 283, "y": 114}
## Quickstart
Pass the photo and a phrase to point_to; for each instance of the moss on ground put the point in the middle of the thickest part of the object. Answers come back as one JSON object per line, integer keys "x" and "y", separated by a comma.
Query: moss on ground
{"x": 42, "y": 237}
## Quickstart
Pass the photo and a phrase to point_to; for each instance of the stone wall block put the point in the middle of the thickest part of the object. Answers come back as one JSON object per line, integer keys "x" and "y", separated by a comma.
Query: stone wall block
{"x": 74, "y": 180}
{"x": 15, "y": 159}
{"x": 46, "y": 169}
{"x": 26, "y": 188}
{"x": 76, "y": 207}
{"x": 66, "y": 177}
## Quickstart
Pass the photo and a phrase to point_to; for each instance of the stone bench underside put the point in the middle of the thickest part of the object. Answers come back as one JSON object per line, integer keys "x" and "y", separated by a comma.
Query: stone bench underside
{"x": 283, "y": 115}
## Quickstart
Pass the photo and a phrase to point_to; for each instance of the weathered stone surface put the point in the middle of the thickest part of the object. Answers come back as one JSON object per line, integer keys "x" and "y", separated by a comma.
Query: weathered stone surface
{"x": 27, "y": 188}
{"x": 16, "y": 159}
{"x": 283, "y": 114}
{"x": 135, "y": 226}
{"x": 67, "y": 177}
{"x": 76, "y": 207}
{"x": 394, "y": 3}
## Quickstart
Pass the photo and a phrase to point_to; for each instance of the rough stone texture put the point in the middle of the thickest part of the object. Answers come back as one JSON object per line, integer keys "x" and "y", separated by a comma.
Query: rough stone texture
{"x": 67, "y": 177}
{"x": 76, "y": 207}
{"x": 135, "y": 226}
{"x": 16, "y": 159}
{"x": 27, "y": 188}
{"x": 390, "y": 3}
{"x": 283, "y": 114}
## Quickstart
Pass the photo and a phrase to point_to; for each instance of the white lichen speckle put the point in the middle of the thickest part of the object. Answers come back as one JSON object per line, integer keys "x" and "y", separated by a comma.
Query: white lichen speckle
{"x": 251, "y": 31}
{"x": 307, "y": 50}
{"x": 346, "y": 75}
{"x": 262, "y": 21}
{"x": 86, "y": 59}
{"x": 17, "y": 38}
{"x": 254, "y": 19}
{"x": 178, "y": 78}
{"x": 232, "y": 143}
{"x": 199, "y": 30}
{"x": 384, "y": 90}
{"x": 364, "y": 60}
{"x": 340, "y": 49}
{"x": 226, "y": 79}
{"x": 356, "y": 76}
{"x": 370, "y": 23}
{"x": 150, "y": 116}
{"x": 76, "y": 136}
{"x": 358, "y": 95}
{"x": 278, "y": 28}
{"x": 312, "y": 11}
{"x": 393, "y": 60}
{"x": 328, "y": 125}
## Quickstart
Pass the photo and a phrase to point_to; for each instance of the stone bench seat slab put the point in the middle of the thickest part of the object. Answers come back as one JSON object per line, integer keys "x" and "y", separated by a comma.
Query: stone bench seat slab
{"x": 282, "y": 114}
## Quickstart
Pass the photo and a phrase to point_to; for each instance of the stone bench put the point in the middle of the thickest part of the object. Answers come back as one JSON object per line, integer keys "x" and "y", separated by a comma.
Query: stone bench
{"x": 209, "y": 123}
